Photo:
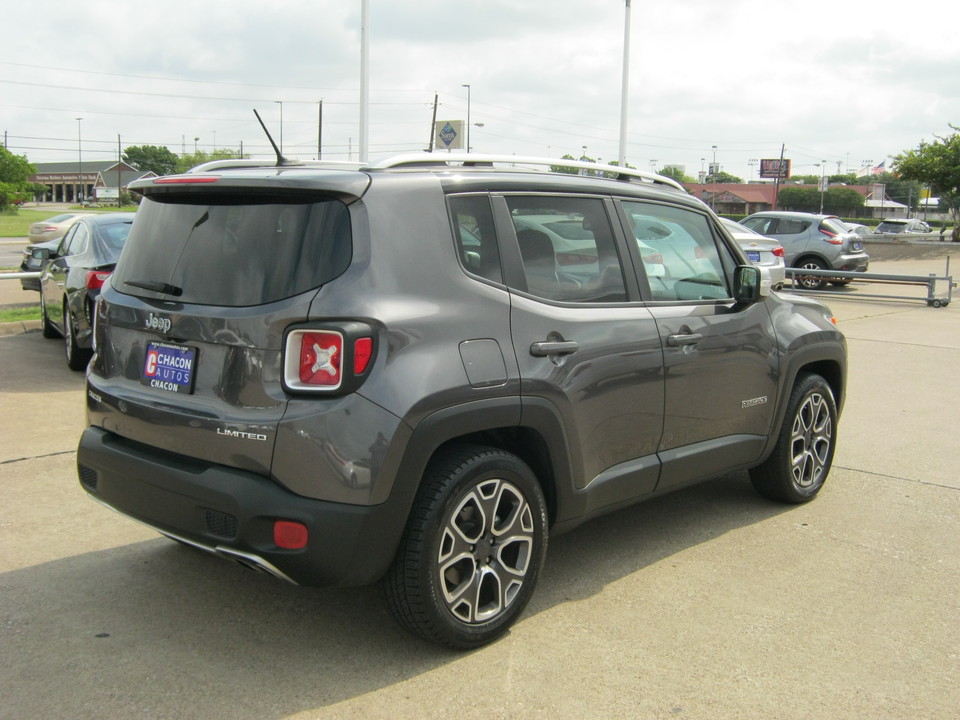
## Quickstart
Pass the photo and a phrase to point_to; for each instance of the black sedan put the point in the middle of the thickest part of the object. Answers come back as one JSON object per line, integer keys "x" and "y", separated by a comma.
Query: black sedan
{"x": 73, "y": 276}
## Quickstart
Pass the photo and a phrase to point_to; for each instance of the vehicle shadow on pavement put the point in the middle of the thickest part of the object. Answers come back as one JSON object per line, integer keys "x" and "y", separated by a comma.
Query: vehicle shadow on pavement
{"x": 98, "y": 625}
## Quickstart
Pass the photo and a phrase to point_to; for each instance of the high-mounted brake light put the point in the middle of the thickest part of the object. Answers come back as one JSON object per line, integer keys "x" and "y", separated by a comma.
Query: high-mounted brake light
{"x": 185, "y": 180}
{"x": 96, "y": 279}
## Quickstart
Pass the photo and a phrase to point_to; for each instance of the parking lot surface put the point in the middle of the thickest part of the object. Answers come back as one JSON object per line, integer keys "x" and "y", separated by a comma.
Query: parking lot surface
{"x": 709, "y": 603}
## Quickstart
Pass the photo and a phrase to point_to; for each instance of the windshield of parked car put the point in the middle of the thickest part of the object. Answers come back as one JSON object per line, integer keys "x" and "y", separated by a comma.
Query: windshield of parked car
{"x": 234, "y": 250}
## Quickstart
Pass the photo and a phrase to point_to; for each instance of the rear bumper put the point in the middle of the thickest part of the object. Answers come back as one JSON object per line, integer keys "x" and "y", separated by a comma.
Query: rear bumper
{"x": 856, "y": 262}
{"x": 231, "y": 513}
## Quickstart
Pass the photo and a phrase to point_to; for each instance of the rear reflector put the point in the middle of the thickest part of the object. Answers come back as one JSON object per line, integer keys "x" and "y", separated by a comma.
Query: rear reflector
{"x": 362, "y": 352}
{"x": 290, "y": 535}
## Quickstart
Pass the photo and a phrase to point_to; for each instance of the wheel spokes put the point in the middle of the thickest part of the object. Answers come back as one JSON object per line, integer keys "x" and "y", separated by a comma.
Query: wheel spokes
{"x": 810, "y": 441}
{"x": 485, "y": 551}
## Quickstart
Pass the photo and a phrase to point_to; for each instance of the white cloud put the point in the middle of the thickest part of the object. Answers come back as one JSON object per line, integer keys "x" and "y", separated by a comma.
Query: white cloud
{"x": 843, "y": 81}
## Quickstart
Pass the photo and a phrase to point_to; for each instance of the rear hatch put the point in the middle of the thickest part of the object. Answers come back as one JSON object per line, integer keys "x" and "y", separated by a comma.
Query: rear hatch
{"x": 841, "y": 234}
{"x": 190, "y": 327}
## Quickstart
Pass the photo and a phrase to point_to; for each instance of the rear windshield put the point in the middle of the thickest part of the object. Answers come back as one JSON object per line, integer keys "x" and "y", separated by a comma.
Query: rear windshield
{"x": 233, "y": 250}
{"x": 891, "y": 225}
{"x": 835, "y": 226}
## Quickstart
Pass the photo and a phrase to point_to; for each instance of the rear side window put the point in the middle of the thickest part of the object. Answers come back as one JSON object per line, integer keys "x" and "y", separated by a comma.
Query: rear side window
{"x": 567, "y": 249}
{"x": 476, "y": 236}
{"x": 234, "y": 250}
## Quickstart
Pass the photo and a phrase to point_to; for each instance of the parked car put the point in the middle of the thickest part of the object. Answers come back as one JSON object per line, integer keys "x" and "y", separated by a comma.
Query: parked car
{"x": 764, "y": 252}
{"x": 812, "y": 242}
{"x": 53, "y": 227}
{"x": 346, "y": 374}
{"x": 73, "y": 276}
{"x": 899, "y": 226}
{"x": 34, "y": 261}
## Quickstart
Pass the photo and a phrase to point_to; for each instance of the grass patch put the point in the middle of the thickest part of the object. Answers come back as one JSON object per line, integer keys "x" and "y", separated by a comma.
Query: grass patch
{"x": 18, "y": 314}
{"x": 18, "y": 224}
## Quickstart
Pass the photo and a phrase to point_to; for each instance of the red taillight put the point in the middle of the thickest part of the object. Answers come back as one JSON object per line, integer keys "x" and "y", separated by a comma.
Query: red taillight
{"x": 321, "y": 355}
{"x": 328, "y": 359}
{"x": 362, "y": 352}
{"x": 831, "y": 237}
{"x": 96, "y": 278}
{"x": 653, "y": 259}
{"x": 185, "y": 179}
{"x": 778, "y": 251}
{"x": 290, "y": 535}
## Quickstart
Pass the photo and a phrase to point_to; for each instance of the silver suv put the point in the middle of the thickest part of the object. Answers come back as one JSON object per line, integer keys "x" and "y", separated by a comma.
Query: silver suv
{"x": 812, "y": 242}
{"x": 416, "y": 371}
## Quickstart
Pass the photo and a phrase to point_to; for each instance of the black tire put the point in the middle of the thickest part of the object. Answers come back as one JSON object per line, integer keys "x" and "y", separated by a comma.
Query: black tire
{"x": 803, "y": 455}
{"x": 49, "y": 331}
{"x": 809, "y": 282}
{"x": 77, "y": 357}
{"x": 473, "y": 548}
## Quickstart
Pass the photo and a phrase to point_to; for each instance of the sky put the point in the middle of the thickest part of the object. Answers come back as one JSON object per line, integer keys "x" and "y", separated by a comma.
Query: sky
{"x": 846, "y": 82}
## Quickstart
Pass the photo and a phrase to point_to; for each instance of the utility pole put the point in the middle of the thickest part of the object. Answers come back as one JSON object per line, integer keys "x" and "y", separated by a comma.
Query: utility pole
{"x": 433, "y": 122}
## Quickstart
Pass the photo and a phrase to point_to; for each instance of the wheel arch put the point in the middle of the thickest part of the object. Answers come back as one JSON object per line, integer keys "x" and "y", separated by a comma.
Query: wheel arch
{"x": 829, "y": 362}
{"x": 532, "y": 431}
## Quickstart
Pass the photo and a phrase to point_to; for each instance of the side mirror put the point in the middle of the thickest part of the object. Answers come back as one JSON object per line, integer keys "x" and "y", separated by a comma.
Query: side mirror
{"x": 746, "y": 280}
{"x": 42, "y": 254}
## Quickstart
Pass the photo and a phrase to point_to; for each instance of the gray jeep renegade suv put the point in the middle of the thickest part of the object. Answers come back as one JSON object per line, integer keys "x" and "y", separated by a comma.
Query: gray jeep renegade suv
{"x": 414, "y": 371}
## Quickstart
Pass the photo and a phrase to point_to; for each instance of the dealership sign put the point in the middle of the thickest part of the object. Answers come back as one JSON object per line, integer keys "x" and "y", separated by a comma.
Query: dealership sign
{"x": 774, "y": 169}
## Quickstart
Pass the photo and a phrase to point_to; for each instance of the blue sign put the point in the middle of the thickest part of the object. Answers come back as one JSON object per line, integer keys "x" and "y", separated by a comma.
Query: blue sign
{"x": 448, "y": 134}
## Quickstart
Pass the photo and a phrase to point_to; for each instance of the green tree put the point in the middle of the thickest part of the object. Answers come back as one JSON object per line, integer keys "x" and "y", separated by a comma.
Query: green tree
{"x": 15, "y": 172}
{"x": 151, "y": 158}
{"x": 843, "y": 201}
{"x": 936, "y": 165}
{"x": 723, "y": 177}
{"x": 799, "y": 199}
{"x": 676, "y": 173}
{"x": 185, "y": 162}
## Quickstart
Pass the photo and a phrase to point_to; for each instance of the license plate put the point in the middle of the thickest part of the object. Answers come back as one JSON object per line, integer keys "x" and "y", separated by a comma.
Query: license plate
{"x": 169, "y": 367}
{"x": 753, "y": 256}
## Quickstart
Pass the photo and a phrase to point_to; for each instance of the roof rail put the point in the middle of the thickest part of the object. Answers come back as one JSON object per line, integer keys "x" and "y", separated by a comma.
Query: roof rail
{"x": 226, "y": 163}
{"x": 462, "y": 159}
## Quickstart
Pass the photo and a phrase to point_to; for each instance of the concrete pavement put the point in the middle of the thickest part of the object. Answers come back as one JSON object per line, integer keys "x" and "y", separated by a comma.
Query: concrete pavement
{"x": 710, "y": 603}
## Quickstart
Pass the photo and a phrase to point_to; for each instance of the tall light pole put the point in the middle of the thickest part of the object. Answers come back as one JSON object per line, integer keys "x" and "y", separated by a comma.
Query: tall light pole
{"x": 713, "y": 174}
{"x": 624, "y": 86}
{"x": 79, "y": 197}
{"x": 364, "y": 81}
{"x": 280, "y": 103}
{"x": 823, "y": 182}
{"x": 468, "y": 116}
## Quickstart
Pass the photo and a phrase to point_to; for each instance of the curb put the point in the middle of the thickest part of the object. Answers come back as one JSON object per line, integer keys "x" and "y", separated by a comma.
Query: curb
{"x": 21, "y": 326}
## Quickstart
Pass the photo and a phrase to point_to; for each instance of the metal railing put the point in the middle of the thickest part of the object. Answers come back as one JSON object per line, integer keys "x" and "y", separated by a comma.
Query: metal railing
{"x": 930, "y": 281}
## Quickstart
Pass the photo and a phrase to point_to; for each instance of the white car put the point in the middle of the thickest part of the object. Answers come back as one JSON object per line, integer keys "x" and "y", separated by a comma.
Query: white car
{"x": 762, "y": 251}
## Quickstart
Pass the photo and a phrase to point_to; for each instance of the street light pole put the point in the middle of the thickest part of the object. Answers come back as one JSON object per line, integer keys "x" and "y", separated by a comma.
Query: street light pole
{"x": 79, "y": 197}
{"x": 823, "y": 182}
{"x": 280, "y": 103}
{"x": 468, "y": 116}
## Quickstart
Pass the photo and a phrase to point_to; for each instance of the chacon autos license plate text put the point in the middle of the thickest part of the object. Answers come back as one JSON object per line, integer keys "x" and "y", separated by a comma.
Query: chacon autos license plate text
{"x": 169, "y": 367}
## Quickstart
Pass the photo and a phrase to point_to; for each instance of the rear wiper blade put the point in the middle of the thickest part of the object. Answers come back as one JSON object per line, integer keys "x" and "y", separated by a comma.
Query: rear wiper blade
{"x": 156, "y": 286}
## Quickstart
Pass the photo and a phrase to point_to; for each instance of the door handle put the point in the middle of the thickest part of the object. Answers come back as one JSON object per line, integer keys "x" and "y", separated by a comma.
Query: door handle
{"x": 546, "y": 348}
{"x": 681, "y": 340}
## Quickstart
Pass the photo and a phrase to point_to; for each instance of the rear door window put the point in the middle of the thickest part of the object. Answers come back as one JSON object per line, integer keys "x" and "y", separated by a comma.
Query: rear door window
{"x": 234, "y": 250}
{"x": 567, "y": 249}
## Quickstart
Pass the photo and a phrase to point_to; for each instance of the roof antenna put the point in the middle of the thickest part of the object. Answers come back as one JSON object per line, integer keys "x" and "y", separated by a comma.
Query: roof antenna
{"x": 281, "y": 160}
